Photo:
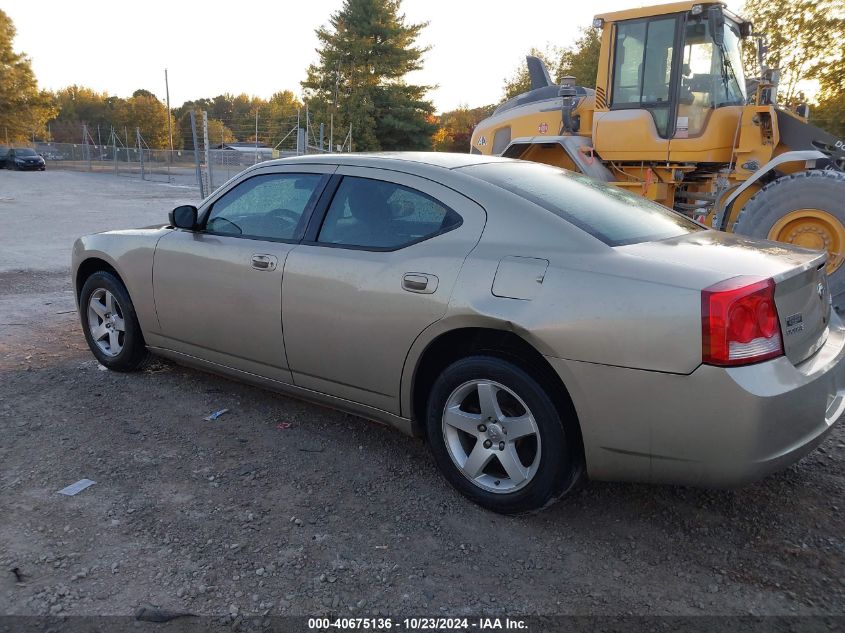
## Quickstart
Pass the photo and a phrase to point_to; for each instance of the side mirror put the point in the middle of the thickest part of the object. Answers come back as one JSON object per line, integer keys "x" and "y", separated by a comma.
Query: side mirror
{"x": 184, "y": 217}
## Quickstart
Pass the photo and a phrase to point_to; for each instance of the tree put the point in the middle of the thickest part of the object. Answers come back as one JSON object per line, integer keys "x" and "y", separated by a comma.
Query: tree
{"x": 804, "y": 38}
{"x": 581, "y": 60}
{"x": 279, "y": 115}
{"x": 78, "y": 105}
{"x": 456, "y": 127}
{"x": 141, "y": 92}
{"x": 830, "y": 114}
{"x": 218, "y": 132}
{"x": 365, "y": 53}
{"x": 24, "y": 109}
{"x": 149, "y": 115}
{"x": 520, "y": 80}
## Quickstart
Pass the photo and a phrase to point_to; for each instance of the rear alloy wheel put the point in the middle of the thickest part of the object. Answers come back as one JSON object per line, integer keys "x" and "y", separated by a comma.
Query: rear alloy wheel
{"x": 491, "y": 436}
{"x": 805, "y": 209}
{"x": 498, "y": 437}
{"x": 110, "y": 324}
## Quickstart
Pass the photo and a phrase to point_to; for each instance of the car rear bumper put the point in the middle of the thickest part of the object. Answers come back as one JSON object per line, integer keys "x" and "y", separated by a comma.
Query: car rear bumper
{"x": 716, "y": 427}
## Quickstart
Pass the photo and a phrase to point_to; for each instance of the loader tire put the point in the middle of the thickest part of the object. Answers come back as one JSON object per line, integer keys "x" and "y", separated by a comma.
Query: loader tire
{"x": 806, "y": 209}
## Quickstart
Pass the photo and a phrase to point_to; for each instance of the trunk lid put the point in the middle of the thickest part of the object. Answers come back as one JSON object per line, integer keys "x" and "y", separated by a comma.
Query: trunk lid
{"x": 802, "y": 296}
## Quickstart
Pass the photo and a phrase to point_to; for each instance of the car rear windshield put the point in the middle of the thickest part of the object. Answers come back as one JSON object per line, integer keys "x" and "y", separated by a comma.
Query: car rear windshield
{"x": 609, "y": 213}
{"x": 25, "y": 152}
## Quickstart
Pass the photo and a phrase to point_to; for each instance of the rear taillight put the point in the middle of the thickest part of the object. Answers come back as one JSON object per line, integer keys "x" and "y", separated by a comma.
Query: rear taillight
{"x": 739, "y": 322}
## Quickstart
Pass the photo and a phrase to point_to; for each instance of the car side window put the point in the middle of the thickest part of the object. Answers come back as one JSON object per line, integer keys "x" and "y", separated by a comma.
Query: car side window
{"x": 383, "y": 215}
{"x": 271, "y": 206}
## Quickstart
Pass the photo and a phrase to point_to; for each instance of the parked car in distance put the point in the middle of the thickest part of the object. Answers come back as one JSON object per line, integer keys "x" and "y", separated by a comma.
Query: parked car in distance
{"x": 536, "y": 327}
{"x": 24, "y": 158}
{"x": 4, "y": 152}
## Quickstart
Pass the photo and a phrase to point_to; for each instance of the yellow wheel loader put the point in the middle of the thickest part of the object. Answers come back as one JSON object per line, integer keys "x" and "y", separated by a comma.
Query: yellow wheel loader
{"x": 671, "y": 119}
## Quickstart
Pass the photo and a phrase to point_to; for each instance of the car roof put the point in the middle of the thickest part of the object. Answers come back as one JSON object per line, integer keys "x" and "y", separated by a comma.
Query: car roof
{"x": 395, "y": 160}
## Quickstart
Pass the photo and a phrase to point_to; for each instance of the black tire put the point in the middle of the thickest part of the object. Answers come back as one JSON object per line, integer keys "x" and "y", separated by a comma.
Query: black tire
{"x": 133, "y": 355}
{"x": 820, "y": 189}
{"x": 560, "y": 466}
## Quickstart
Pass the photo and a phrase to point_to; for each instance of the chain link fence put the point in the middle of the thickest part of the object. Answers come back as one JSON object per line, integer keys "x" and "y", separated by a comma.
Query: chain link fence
{"x": 204, "y": 168}
{"x": 177, "y": 167}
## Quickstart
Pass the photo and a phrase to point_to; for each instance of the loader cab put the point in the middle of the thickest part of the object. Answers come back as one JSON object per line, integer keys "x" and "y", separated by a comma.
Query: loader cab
{"x": 670, "y": 74}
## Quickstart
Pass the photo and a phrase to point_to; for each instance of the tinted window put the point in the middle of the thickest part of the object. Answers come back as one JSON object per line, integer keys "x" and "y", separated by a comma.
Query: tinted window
{"x": 606, "y": 212}
{"x": 25, "y": 152}
{"x": 378, "y": 214}
{"x": 270, "y": 206}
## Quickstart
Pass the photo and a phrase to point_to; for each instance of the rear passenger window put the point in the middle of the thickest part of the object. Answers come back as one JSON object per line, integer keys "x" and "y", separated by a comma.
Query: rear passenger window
{"x": 608, "y": 213}
{"x": 383, "y": 215}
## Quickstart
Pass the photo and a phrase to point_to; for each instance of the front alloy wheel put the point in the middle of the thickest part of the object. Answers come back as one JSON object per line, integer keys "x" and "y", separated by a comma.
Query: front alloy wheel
{"x": 110, "y": 324}
{"x": 105, "y": 322}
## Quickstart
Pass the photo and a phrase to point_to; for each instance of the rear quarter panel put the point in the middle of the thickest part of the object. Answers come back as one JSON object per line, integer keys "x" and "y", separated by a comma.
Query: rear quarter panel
{"x": 594, "y": 303}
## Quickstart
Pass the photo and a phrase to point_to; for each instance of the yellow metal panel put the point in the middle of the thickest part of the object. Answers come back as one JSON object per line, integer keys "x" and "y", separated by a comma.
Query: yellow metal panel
{"x": 715, "y": 144}
{"x": 534, "y": 123}
{"x": 659, "y": 9}
{"x": 758, "y": 138}
{"x": 603, "y": 74}
{"x": 628, "y": 135}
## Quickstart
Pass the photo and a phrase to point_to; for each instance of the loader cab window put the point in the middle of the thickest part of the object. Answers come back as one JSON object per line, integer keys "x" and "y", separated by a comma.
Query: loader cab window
{"x": 711, "y": 74}
{"x": 642, "y": 68}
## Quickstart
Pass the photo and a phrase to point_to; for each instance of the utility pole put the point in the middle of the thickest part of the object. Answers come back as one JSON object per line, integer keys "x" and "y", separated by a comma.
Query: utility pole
{"x": 140, "y": 150}
{"x": 86, "y": 153}
{"x": 256, "y": 135}
{"x": 307, "y": 127}
{"x": 298, "y": 134}
{"x": 222, "y": 153}
{"x": 334, "y": 106}
{"x": 207, "y": 150}
{"x": 114, "y": 149}
{"x": 169, "y": 129}
{"x": 196, "y": 152}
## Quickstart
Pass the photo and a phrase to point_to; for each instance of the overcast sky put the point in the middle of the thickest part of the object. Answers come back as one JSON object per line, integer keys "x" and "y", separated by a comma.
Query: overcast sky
{"x": 261, "y": 47}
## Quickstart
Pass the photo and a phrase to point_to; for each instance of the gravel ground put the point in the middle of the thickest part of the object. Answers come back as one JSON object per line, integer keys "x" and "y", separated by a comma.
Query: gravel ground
{"x": 283, "y": 507}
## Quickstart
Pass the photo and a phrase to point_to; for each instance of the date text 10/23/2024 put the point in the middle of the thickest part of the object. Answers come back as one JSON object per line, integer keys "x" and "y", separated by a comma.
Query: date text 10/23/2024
{"x": 419, "y": 624}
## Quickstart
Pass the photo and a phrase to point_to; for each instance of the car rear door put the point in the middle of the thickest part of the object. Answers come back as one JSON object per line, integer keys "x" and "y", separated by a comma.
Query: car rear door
{"x": 218, "y": 289}
{"x": 377, "y": 267}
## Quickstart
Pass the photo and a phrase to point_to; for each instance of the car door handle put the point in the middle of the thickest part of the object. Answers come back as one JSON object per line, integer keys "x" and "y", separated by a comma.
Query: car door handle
{"x": 264, "y": 262}
{"x": 422, "y": 283}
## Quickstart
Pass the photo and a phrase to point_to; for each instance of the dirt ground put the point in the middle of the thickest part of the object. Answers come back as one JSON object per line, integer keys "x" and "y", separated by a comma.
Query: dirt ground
{"x": 283, "y": 507}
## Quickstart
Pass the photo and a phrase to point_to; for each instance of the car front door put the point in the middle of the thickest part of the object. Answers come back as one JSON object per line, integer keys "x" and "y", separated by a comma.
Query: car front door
{"x": 218, "y": 289}
{"x": 370, "y": 278}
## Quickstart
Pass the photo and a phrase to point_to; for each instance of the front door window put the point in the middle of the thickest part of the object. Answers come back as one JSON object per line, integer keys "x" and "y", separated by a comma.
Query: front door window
{"x": 642, "y": 68}
{"x": 269, "y": 206}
